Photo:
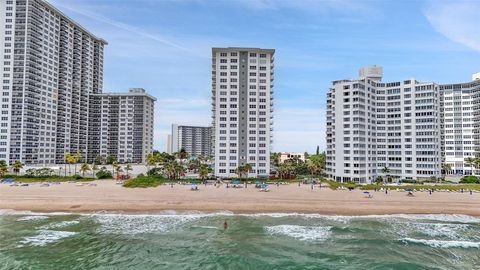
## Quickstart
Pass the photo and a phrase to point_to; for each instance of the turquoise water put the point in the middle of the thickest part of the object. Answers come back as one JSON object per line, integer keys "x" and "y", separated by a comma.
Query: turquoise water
{"x": 261, "y": 241}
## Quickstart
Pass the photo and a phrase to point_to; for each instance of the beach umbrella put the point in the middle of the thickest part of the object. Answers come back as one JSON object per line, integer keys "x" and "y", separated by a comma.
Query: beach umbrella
{"x": 8, "y": 180}
{"x": 408, "y": 189}
{"x": 366, "y": 192}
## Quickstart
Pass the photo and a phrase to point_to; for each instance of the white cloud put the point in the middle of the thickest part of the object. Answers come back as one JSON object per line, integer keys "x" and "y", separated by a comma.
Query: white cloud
{"x": 127, "y": 27}
{"x": 304, "y": 5}
{"x": 456, "y": 20}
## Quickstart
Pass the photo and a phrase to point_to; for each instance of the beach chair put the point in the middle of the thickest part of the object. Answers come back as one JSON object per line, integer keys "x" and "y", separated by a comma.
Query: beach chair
{"x": 367, "y": 195}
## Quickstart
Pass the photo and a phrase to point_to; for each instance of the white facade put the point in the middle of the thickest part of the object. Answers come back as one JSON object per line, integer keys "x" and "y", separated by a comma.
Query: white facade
{"x": 49, "y": 66}
{"x": 196, "y": 141}
{"x": 409, "y": 127}
{"x": 121, "y": 125}
{"x": 372, "y": 125}
{"x": 242, "y": 109}
{"x": 460, "y": 126}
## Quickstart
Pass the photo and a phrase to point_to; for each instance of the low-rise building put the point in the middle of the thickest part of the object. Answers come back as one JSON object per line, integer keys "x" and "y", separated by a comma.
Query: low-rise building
{"x": 284, "y": 156}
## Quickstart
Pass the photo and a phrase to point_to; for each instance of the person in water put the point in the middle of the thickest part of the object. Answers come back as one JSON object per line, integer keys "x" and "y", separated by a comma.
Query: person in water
{"x": 225, "y": 225}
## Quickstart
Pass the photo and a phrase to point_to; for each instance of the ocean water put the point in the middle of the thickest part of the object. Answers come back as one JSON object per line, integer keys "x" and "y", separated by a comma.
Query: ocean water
{"x": 257, "y": 241}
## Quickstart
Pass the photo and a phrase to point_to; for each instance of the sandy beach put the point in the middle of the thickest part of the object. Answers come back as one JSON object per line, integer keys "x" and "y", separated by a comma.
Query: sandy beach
{"x": 108, "y": 196}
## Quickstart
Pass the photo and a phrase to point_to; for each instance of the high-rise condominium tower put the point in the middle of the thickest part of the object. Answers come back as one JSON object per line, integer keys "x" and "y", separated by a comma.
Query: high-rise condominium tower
{"x": 121, "y": 125}
{"x": 400, "y": 130}
{"x": 197, "y": 141}
{"x": 49, "y": 66}
{"x": 242, "y": 107}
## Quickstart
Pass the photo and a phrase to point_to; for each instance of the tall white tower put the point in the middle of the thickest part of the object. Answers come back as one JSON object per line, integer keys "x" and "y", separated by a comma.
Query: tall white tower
{"x": 242, "y": 107}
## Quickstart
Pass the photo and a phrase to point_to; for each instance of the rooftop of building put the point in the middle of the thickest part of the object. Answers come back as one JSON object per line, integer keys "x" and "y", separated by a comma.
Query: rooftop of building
{"x": 50, "y": 6}
{"x": 234, "y": 49}
{"x": 131, "y": 92}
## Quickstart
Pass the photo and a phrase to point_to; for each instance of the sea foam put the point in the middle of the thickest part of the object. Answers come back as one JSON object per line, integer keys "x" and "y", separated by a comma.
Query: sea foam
{"x": 137, "y": 224}
{"x": 443, "y": 243}
{"x": 32, "y": 218}
{"x": 45, "y": 237}
{"x": 305, "y": 233}
{"x": 61, "y": 224}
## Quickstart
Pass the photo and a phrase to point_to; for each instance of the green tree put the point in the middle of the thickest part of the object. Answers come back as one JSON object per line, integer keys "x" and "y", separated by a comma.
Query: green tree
{"x": 386, "y": 171}
{"x": 471, "y": 163}
{"x": 318, "y": 150}
{"x": 275, "y": 159}
{"x": 445, "y": 168}
{"x": 3, "y": 168}
{"x": 76, "y": 157}
{"x": 70, "y": 159}
{"x": 111, "y": 159}
{"x": 316, "y": 164}
{"x": 204, "y": 171}
{"x": 194, "y": 165}
{"x": 151, "y": 160}
{"x": 116, "y": 168}
{"x": 84, "y": 168}
{"x": 94, "y": 168}
{"x": 128, "y": 168}
{"x": 98, "y": 160}
{"x": 17, "y": 166}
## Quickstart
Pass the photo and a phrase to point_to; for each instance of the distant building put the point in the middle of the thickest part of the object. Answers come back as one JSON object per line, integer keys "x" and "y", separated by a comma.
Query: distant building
{"x": 194, "y": 140}
{"x": 242, "y": 109}
{"x": 121, "y": 124}
{"x": 284, "y": 156}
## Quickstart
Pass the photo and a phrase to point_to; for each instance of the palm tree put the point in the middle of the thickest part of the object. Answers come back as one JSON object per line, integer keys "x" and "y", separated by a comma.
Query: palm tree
{"x": 94, "y": 168}
{"x": 247, "y": 167}
{"x": 84, "y": 168}
{"x": 173, "y": 169}
{"x": 275, "y": 159}
{"x": 116, "y": 168}
{"x": 76, "y": 157}
{"x": 386, "y": 171}
{"x": 203, "y": 171}
{"x": 194, "y": 165}
{"x": 3, "y": 168}
{"x": 151, "y": 161}
{"x": 70, "y": 159}
{"x": 17, "y": 166}
{"x": 477, "y": 162}
{"x": 98, "y": 160}
{"x": 111, "y": 159}
{"x": 182, "y": 155}
{"x": 445, "y": 168}
{"x": 128, "y": 168}
{"x": 471, "y": 163}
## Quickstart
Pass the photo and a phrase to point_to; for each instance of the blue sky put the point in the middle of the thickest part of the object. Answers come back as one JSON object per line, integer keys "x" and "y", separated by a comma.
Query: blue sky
{"x": 164, "y": 46}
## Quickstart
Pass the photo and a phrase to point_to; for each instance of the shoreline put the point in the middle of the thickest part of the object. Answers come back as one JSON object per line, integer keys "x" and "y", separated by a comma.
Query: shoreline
{"x": 109, "y": 198}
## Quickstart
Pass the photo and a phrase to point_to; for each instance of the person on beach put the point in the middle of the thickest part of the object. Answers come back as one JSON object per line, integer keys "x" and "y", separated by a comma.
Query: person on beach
{"x": 225, "y": 225}
{"x": 470, "y": 192}
{"x": 312, "y": 186}
{"x": 386, "y": 191}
